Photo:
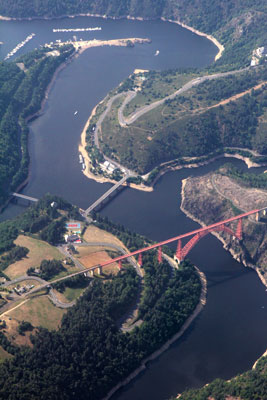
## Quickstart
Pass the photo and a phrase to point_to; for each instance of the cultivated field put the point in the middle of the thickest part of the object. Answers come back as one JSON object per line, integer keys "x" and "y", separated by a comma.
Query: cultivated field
{"x": 39, "y": 311}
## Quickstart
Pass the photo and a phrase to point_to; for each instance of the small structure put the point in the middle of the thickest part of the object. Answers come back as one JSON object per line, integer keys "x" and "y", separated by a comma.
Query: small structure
{"x": 72, "y": 238}
{"x": 257, "y": 54}
{"x": 107, "y": 167}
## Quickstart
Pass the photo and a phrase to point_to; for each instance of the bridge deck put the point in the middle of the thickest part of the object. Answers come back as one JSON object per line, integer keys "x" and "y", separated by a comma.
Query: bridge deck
{"x": 23, "y": 196}
{"x": 106, "y": 194}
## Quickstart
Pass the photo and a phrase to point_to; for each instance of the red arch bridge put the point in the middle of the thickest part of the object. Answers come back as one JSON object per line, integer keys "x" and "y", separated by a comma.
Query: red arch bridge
{"x": 196, "y": 235}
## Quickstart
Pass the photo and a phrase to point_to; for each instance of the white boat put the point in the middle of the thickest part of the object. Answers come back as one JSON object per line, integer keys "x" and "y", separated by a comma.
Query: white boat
{"x": 157, "y": 53}
{"x": 80, "y": 159}
{"x": 76, "y": 112}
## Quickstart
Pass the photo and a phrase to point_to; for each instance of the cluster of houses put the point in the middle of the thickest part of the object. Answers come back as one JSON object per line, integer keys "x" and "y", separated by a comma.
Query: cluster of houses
{"x": 23, "y": 289}
{"x": 257, "y": 54}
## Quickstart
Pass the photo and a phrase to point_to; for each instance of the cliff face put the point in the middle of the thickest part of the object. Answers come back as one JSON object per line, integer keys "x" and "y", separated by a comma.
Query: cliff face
{"x": 215, "y": 197}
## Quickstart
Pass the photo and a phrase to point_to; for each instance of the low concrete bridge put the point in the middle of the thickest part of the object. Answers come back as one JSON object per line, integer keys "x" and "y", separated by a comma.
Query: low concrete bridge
{"x": 106, "y": 194}
{"x": 23, "y": 196}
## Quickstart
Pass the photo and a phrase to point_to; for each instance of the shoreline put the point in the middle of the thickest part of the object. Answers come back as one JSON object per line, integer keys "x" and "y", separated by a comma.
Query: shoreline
{"x": 236, "y": 256}
{"x": 36, "y": 115}
{"x": 165, "y": 346}
{"x": 90, "y": 175}
{"x": 233, "y": 254}
{"x": 215, "y": 41}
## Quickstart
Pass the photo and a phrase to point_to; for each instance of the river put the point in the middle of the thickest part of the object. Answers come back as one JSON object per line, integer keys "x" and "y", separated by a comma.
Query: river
{"x": 230, "y": 334}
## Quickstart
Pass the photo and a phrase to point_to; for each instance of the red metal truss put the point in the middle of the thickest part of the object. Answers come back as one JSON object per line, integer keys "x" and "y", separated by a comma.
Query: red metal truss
{"x": 202, "y": 232}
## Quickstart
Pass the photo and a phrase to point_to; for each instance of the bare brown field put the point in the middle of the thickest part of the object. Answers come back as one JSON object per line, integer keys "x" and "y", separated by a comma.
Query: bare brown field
{"x": 94, "y": 234}
{"x": 244, "y": 198}
{"x": 38, "y": 251}
{"x": 99, "y": 257}
{"x": 11, "y": 332}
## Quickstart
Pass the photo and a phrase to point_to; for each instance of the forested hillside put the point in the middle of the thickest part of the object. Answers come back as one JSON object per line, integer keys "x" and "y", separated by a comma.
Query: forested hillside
{"x": 22, "y": 88}
{"x": 225, "y": 112}
{"x": 238, "y": 24}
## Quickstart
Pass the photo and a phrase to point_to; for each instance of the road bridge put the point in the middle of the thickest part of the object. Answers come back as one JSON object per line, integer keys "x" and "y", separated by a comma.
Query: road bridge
{"x": 106, "y": 194}
{"x": 181, "y": 251}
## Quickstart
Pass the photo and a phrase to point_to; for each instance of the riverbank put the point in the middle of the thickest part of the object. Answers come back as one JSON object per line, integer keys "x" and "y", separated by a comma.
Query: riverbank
{"x": 35, "y": 115}
{"x": 235, "y": 255}
{"x": 87, "y": 160}
{"x": 157, "y": 353}
{"x": 209, "y": 37}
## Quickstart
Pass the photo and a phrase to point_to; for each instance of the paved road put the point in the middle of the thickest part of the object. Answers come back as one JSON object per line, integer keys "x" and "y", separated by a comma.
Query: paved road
{"x": 63, "y": 250}
{"x": 143, "y": 110}
{"x": 98, "y": 128}
{"x": 44, "y": 283}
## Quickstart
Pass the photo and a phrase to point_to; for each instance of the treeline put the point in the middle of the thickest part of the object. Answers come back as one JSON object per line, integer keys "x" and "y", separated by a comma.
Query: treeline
{"x": 21, "y": 94}
{"x": 239, "y": 25}
{"x": 89, "y": 354}
{"x": 251, "y": 385}
{"x": 247, "y": 179}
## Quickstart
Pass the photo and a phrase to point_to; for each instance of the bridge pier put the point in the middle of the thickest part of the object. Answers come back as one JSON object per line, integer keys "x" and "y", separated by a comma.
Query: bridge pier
{"x": 91, "y": 272}
{"x": 176, "y": 259}
{"x": 99, "y": 270}
{"x": 159, "y": 254}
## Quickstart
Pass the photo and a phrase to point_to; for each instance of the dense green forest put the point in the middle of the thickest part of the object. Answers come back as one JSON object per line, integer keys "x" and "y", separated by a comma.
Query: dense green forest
{"x": 238, "y": 24}
{"x": 251, "y": 385}
{"x": 21, "y": 94}
{"x": 89, "y": 354}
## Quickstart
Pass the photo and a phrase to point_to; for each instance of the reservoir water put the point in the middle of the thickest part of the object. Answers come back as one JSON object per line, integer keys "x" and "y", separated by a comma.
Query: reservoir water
{"x": 230, "y": 333}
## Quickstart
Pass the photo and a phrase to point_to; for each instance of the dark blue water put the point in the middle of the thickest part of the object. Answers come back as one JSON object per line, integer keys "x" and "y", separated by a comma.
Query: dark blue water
{"x": 230, "y": 334}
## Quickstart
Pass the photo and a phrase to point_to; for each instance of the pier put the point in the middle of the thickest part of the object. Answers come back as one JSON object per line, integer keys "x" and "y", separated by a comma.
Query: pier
{"x": 23, "y": 196}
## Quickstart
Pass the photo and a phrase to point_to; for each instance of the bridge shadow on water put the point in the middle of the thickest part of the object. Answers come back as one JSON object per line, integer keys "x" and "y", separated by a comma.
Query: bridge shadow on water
{"x": 218, "y": 278}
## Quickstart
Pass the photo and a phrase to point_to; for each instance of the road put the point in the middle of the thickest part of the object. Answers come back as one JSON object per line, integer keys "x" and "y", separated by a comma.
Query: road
{"x": 143, "y": 110}
{"x": 44, "y": 283}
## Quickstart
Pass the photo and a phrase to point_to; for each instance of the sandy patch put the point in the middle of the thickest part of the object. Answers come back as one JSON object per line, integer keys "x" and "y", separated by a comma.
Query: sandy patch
{"x": 94, "y": 234}
{"x": 210, "y": 37}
